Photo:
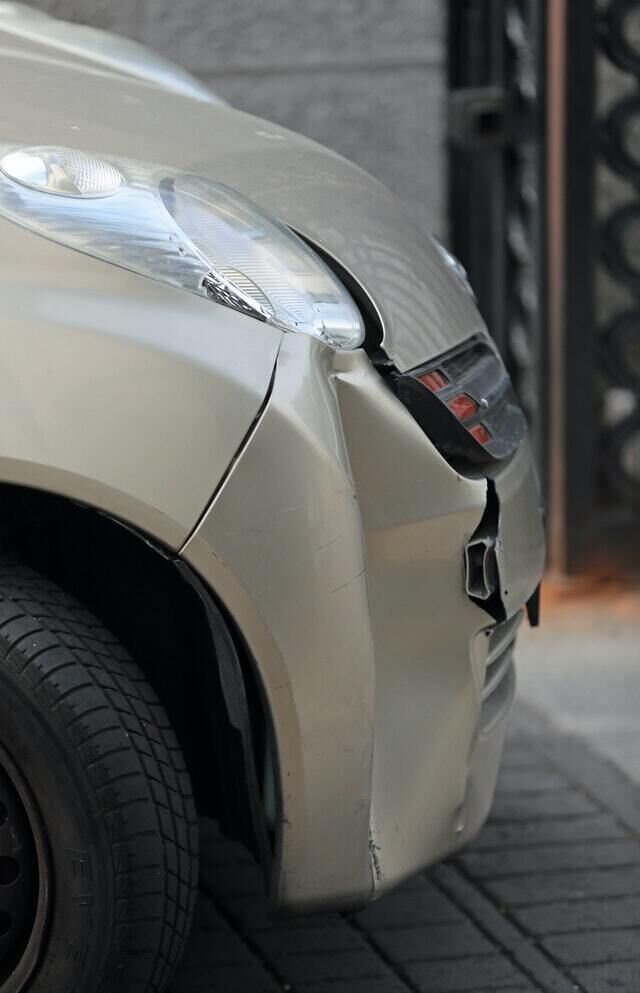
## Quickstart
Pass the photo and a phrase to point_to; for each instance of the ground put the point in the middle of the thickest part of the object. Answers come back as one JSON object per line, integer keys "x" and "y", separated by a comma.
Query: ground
{"x": 546, "y": 899}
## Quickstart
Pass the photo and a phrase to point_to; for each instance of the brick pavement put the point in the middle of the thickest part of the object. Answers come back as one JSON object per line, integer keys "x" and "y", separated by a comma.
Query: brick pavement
{"x": 547, "y": 899}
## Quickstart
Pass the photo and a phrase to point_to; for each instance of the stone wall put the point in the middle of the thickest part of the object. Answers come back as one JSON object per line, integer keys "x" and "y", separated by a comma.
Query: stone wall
{"x": 362, "y": 76}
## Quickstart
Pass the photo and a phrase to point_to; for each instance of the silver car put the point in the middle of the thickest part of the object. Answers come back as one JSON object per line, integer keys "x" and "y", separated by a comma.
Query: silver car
{"x": 268, "y": 510}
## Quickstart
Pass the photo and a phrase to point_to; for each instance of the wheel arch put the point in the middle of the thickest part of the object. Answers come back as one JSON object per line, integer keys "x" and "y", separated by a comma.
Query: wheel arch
{"x": 178, "y": 632}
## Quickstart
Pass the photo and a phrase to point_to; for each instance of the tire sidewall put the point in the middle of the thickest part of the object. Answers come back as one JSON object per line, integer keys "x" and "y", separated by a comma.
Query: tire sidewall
{"x": 80, "y": 925}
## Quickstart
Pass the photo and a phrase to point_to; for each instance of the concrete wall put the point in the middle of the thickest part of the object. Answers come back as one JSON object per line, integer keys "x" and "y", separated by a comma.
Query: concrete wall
{"x": 362, "y": 76}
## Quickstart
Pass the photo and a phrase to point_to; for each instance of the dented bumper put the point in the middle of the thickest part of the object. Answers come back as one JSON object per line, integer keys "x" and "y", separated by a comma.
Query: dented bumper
{"x": 337, "y": 543}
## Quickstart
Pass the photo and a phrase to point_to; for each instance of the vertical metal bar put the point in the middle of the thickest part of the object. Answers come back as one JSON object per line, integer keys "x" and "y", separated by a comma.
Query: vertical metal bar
{"x": 540, "y": 433}
{"x": 556, "y": 99}
{"x": 476, "y": 172}
{"x": 570, "y": 275}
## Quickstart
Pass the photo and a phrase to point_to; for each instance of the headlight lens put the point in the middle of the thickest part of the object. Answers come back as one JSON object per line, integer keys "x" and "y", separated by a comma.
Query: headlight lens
{"x": 181, "y": 229}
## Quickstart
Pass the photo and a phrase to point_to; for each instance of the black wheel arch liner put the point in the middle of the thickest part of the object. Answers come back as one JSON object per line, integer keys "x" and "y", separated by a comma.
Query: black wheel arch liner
{"x": 237, "y": 717}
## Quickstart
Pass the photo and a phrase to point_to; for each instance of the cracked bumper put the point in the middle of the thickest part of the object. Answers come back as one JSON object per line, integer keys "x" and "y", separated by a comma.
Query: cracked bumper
{"x": 337, "y": 544}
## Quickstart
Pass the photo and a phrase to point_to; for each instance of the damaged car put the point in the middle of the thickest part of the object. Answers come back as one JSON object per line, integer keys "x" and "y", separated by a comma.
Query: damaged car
{"x": 270, "y": 520}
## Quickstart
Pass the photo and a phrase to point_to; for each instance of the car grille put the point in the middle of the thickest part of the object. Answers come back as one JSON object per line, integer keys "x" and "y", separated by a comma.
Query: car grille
{"x": 499, "y": 680}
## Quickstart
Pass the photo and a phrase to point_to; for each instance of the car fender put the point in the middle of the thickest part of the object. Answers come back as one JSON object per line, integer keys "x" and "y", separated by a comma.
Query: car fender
{"x": 121, "y": 392}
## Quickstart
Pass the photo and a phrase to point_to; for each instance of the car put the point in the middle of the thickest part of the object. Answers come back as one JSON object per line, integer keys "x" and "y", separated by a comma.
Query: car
{"x": 270, "y": 519}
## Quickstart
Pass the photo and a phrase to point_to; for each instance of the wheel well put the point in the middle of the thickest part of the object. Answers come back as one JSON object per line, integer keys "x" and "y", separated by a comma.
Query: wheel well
{"x": 142, "y": 593}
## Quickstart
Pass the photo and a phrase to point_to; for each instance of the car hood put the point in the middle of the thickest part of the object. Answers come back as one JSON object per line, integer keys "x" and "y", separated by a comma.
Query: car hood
{"x": 44, "y": 37}
{"x": 49, "y": 100}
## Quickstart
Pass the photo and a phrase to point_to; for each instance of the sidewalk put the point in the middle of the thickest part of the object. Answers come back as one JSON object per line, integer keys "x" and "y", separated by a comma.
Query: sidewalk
{"x": 582, "y": 668}
{"x": 547, "y": 898}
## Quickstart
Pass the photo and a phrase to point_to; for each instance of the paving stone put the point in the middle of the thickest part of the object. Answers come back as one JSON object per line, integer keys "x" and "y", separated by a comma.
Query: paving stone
{"x": 249, "y": 912}
{"x": 278, "y": 943}
{"x": 595, "y": 946}
{"x": 575, "y": 885}
{"x": 530, "y": 780}
{"x": 622, "y": 977}
{"x": 507, "y": 989}
{"x": 252, "y": 913}
{"x": 378, "y": 984}
{"x": 564, "y": 918}
{"x": 515, "y": 945}
{"x": 437, "y": 941}
{"x": 568, "y": 830}
{"x": 551, "y": 858}
{"x": 469, "y": 974}
{"x": 207, "y": 917}
{"x": 407, "y": 908}
{"x": 362, "y": 964}
{"x": 522, "y": 806}
{"x": 518, "y": 756}
{"x": 555, "y": 918}
{"x": 207, "y": 951}
{"x": 244, "y": 979}
{"x": 607, "y": 783}
{"x": 244, "y": 878}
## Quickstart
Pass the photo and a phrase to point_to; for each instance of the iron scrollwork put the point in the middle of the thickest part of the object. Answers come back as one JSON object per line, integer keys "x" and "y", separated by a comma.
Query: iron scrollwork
{"x": 619, "y": 335}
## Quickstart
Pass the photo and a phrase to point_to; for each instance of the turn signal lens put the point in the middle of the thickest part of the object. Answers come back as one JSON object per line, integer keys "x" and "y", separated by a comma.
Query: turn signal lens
{"x": 463, "y": 406}
{"x": 434, "y": 380}
{"x": 480, "y": 433}
{"x": 66, "y": 172}
{"x": 464, "y": 402}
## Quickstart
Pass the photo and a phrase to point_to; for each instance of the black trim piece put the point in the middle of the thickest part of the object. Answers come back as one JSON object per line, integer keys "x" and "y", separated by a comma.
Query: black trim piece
{"x": 533, "y": 607}
{"x": 475, "y": 369}
{"x": 237, "y": 705}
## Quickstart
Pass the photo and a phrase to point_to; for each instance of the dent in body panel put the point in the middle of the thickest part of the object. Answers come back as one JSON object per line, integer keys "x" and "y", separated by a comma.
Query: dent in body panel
{"x": 282, "y": 546}
{"x": 520, "y": 551}
{"x": 504, "y": 559}
{"x": 337, "y": 545}
{"x": 417, "y": 515}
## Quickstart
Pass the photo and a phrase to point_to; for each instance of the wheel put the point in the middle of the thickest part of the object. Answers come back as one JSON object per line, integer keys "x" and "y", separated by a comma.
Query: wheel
{"x": 98, "y": 837}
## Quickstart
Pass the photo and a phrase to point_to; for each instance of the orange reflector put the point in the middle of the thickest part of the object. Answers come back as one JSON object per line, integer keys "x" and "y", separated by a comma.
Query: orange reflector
{"x": 463, "y": 406}
{"x": 434, "y": 380}
{"x": 480, "y": 433}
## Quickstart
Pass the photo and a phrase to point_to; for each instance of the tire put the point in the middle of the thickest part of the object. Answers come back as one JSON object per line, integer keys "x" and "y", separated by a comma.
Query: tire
{"x": 98, "y": 805}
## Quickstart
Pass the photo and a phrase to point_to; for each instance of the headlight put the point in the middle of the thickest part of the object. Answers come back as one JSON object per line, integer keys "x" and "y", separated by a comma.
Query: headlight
{"x": 180, "y": 229}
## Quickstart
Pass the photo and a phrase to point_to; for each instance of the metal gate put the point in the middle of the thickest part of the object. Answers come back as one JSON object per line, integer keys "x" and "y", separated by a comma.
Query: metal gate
{"x": 544, "y": 209}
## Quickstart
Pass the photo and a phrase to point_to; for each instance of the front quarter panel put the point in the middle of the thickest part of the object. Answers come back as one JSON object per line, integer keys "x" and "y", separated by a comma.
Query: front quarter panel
{"x": 282, "y": 546}
{"x": 118, "y": 391}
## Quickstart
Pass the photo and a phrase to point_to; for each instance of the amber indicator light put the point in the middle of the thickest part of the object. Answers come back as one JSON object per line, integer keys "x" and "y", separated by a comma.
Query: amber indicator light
{"x": 463, "y": 406}
{"x": 480, "y": 433}
{"x": 434, "y": 380}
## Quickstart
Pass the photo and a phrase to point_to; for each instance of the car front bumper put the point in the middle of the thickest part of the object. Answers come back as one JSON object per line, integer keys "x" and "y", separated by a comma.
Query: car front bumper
{"x": 337, "y": 545}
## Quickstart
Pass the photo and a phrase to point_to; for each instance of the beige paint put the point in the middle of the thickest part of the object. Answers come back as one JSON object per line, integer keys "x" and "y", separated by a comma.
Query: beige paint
{"x": 119, "y": 391}
{"x": 417, "y": 515}
{"x": 337, "y": 545}
{"x": 336, "y": 538}
{"x": 282, "y": 546}
{"x": 322, "y": 196}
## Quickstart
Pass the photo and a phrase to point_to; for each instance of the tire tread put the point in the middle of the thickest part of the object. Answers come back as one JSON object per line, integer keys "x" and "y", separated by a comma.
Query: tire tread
{"x": 81, "y": 674}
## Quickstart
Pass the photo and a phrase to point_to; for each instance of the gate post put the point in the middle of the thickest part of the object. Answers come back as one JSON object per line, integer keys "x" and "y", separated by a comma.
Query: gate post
{"x": 571, "y": 150}
{"x": 497, "y": 175}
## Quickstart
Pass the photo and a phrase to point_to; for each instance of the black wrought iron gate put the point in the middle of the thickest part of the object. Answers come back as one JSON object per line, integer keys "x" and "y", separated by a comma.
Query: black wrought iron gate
{"x": 544, "y": 209}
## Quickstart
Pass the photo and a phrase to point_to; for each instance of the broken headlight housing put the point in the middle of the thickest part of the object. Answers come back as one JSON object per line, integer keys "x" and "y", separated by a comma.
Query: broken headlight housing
{"x": 180, "y": 229}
